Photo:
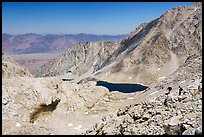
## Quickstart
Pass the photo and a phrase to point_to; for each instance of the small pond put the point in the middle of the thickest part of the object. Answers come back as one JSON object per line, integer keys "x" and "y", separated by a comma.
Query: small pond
{"x": 122, "y": 87}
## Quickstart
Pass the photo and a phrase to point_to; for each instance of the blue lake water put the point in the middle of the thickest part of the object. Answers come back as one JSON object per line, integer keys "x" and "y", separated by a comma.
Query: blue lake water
{"x": 122, "y": 87}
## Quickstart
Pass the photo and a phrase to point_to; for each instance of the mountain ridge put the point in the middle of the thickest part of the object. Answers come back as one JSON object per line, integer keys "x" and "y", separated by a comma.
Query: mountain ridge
{"x": 50, "y": 43}
{"x": 151, "y": 50}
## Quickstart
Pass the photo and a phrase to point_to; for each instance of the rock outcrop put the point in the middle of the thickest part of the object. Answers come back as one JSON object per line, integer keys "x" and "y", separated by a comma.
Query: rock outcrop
{"x": 171, "y": 114}
{"x": 10, "y": 68}
{"x": 49, "y": 105}
{"x": 79, "y": 59}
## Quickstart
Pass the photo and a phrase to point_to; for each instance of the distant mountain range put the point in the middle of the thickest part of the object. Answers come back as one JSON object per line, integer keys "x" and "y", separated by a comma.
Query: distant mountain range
{"x": 50, "y": 43}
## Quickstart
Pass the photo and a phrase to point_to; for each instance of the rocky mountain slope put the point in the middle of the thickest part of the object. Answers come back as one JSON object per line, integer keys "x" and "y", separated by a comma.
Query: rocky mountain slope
{"x": 33, "y": 50}
{"x": 10, "y": 68}
{"x": 78, "y": 59}
{"x": 152, "y": 51}
{"x": 33, "y": 105}
{"x": 168, "y": 50}
{"x": 159, "y": 113}
{"x": 50, "y": 43}
{"x": 176, "y": 112}
{"x": 158, "y": 48}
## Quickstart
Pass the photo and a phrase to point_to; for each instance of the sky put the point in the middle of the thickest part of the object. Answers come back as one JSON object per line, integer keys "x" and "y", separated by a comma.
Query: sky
{"x": 100, "y": 18}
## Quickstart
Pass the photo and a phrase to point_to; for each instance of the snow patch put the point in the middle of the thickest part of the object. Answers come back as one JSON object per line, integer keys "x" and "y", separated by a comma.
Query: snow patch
{"x": 162, "y": 78}
{"x": 70, "y": 124}
{"x": 195, "y": 8}
{"x": 182, "y": 81}
{"x": 107, "y": 73}
{"x": 140, "y": 84}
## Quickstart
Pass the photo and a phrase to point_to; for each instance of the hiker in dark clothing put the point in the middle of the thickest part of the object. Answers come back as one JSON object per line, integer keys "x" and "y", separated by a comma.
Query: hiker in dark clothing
{"x": 169, "y": 89}
{"x": 165, "y": 102}
{"x": 180, "y": 89}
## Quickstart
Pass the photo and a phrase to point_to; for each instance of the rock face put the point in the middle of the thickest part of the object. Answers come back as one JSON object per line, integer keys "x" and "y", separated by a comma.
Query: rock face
{"x": 153, "y": 50}
{"x": 10, "y": 68}
{"x": 78, "y": 59}
{"x": 166, "y": 53}
{"x": 157, "y": 49}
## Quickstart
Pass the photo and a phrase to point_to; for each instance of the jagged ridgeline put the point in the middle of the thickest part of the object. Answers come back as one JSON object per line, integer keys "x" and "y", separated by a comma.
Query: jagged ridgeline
{"x": 78, "y": 59}
{"x": 153, "y": 50}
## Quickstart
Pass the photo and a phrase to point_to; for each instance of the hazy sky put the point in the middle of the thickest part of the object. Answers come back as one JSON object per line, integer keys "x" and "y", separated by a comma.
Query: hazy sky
{"x": 110, "y": 18}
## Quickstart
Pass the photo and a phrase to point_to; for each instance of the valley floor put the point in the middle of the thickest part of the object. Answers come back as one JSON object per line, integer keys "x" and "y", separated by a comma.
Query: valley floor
{"x": 33, "y": 61}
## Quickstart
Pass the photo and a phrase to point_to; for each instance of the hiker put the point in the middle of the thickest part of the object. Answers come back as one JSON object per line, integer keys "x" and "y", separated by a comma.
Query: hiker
{"x": 180, "y": 89}
{"x": 169, "y": 89}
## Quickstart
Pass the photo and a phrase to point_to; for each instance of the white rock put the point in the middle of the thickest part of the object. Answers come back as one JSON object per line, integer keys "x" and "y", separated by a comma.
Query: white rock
{"x": 70, "y": 124}
{"x": 188, "y": 132}
{"x": 78, "y": 127}
{"x": 95, "y": 116}
{"x": 175, "y": 120}
{"x": 18, "y": 124}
